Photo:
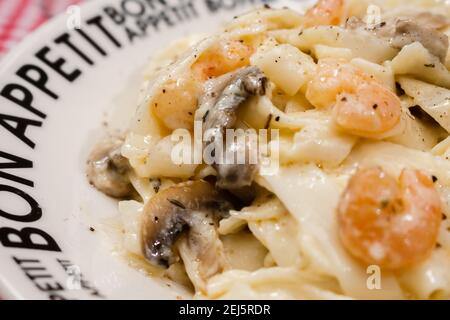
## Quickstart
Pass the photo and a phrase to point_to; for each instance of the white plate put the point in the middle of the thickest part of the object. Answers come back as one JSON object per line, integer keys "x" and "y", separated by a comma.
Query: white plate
{"x": 44, "y": 169}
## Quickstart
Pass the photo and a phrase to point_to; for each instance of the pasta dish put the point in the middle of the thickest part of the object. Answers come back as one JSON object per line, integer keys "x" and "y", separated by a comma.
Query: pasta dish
{"x": 348, "y": 194}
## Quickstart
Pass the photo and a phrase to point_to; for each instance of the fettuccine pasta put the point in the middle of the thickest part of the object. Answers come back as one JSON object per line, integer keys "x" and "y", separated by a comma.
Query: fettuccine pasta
{"x": 359, "y": 205}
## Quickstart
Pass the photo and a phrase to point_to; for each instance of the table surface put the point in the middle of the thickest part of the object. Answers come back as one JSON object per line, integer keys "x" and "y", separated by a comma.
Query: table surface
{"x": 20, "y": 17}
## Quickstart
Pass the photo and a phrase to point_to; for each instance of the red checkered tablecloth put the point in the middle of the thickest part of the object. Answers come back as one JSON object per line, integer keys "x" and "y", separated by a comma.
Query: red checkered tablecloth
{"x": 20, "y": 17}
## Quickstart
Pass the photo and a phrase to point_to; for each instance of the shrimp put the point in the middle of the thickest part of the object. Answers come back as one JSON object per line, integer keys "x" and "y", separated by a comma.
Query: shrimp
{"x": 176, "y": 101}
{"x": 333, "y": 77}
{"x": 388, "y": 223}
{"x": 362, "y": 105}
{"x": 221, "y": 58}
{"x": 372, "y": 111}
{"x": 324, "y": 13}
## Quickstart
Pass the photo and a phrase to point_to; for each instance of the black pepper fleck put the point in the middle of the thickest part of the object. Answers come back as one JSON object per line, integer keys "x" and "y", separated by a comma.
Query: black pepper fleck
{"x": 176, "y": 203}
{"x": 156, "y": 185}
{"x": 384, "y": 204}
{"x": 205, "y": 116}
{"x": 269, "y": 120}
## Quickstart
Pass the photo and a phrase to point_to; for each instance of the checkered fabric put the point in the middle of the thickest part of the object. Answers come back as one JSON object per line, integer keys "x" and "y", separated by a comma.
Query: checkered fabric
{"x": 20, "y": 17}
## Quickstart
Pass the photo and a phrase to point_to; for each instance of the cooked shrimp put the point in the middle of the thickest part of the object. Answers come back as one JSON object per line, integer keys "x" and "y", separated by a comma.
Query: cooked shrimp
{"x": 324, "y": 13}
{"x": 363, "y": 106}
{"x": 372, "y": 111}
{"x": 176, "y": 102}
{"x": 388, "y": 223}
{"x": 333, "y": 77}
{"x": 221, "y": 58}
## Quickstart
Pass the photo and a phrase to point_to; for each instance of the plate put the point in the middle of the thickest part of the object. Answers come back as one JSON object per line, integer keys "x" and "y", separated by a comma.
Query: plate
{"x": 56, "y": 90}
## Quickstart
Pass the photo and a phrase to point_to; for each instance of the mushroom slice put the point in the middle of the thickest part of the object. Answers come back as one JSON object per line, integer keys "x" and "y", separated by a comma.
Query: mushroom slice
{"x": 244, "y": 84}
{"x": 221, "y": 115}
{"x": 407, "y": 32}
{"x": 428, "y": 19}
{"x": 107, "y": 169}
{"x": 404, "y": 31}
{"x": 202, "y": 250}
{"x": 193, "y": 208}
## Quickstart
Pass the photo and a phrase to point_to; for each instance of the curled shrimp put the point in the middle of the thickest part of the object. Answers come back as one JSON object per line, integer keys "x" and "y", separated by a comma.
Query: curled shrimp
{"x": 388, "y": 223}
{"x": 223, "y": 57}
{"x": 372, "y": 111}
{"x": 325, "y": 12}
{"x": 333, "y": 77}
{"x": 363, "y": 106}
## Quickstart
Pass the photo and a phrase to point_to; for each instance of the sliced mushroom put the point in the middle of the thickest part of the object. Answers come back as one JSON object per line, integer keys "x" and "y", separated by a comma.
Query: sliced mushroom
{"x": 202, "y": 250}
{"x": 107, "y": 169}
{"x": 428, "y": 19}
{"x": 404, "y": 31}
{"x": 407, "y": 32}
{"x": 221, "y": 115}
{"x": 192, "y": 209}
{"x": 244, "y": 84}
